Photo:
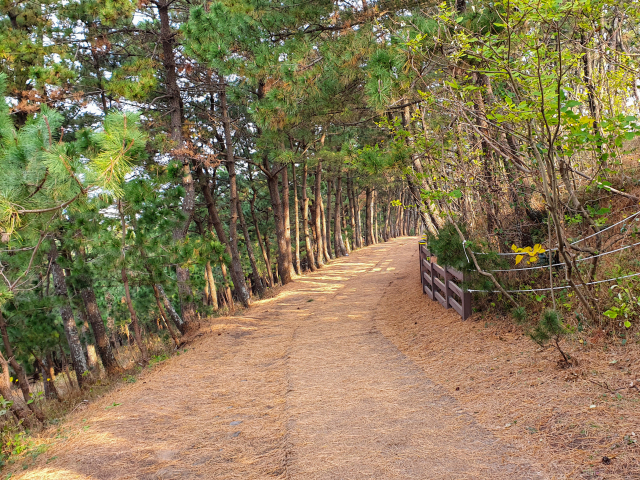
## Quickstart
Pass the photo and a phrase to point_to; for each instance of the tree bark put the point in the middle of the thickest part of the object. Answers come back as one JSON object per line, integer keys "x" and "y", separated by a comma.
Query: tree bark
{"x": 311, "y": 259}
{"x": 48, "y": 378}
{"x": 369, "y": 240}
{"x": 327, "y": 255}
{"x": 318, "y": 215}
{"x": 339, "y": 247}
{"x": 354, "y": 212}
{"x": 167, "y": 39}
{"x": 18, "y": 410}
{"x": 214, "y": 219}
{"x": 94, "y": 316}
{"x": 387, "y": 223}
{"x": 68, "y": 321}
{"x": 326, "y": 221}
{"x": 375, "y": 218}
{"x": 257, "y": 281}
{"x": 265, "y": 254}
{"x": 213, "y": 295}
{"x": 167, "y": 304}
{"x": 296, "y": 206}
{"x": 237, "y": 275}
{"x": 267, "y": 245}
{"x": 127, "y": 294}
{"x": 227, "y": 287}
{"x": 286, "y": 216}
{"x": 163, "y": 314}
{"x": 23, "y": 383}
{"x": 284, "y": 268}
{"x": 92, "y": 357}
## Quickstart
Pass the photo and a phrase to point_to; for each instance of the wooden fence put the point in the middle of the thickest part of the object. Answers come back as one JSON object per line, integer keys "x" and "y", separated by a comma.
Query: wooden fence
{"x": 439, "y": 283}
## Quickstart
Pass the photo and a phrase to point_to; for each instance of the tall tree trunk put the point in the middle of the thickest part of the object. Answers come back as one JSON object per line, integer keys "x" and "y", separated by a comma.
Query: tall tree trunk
{"x": 18, "y": 410}
{"x": 227, "y": 288}
{"x": 94, "y": 316}
{"x": 369, "y": 238}
{"x": 296, "y": 206}
{"x": 284, "y": 268}
{"x": 65, "y": 368}
{"x": 214, "y": 219}
{"x": 376, "y": 237}
{"x": 127, "y": 294}
{"x": 68, "y": 321}
{"x": 311, "y": 259}
{"x": 257, "y": 281}
{"x": 407, "y": 219}
{"x": 167, "y": 305}
{"x": 157, "y": 287}
{"x": 167, "y": 39}
{"x": 286, "y": 215}
{"x": 327, "y": 255}
{"x": 337, "y": 221}
{"x": 20, "y": 373}
{"x": 400, "y": 216}
{"x": 92, "y": 357}
{"x": 267, "y": 245}
{"x": 490, "y": 191}
{"x": 326, "y": 220}
{"x": 163, "y": 314}
{"x": 48, "y": 378}
{"x": 213, "y": 295}
{"x": 346, "y": 218}
{"x": 237, "y": 275}
{"x": 354, "y": 214}
{"x": 594, "y": 108}
{"x": 318, "y": 214}
{"x": 265, "y": 254}
{"x": 387, "y": 222}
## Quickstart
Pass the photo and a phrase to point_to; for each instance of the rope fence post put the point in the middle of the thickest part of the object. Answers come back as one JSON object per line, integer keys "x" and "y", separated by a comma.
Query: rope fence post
{"x": 466, "y": 303}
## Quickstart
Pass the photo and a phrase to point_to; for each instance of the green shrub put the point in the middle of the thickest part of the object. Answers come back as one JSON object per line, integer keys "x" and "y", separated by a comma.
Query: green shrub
{"x": 550, "y": 329}
{"x": 447, "y": 246}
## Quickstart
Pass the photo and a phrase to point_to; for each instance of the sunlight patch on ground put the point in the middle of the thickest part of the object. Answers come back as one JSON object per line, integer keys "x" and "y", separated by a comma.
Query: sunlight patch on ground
{"x": 53, "y": 474}
{"x": 333, "y": 278}
{"x": 227, "y": 326}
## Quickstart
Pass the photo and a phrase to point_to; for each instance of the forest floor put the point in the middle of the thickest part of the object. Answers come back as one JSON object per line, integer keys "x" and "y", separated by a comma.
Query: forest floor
{"x": 351, "y": 373}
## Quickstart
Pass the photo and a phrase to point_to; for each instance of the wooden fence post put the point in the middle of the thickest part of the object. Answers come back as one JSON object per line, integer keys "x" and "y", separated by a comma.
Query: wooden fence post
{"x": 432, "y": 296}
{"x": 447, "y": 292}
{"x": 421, "y": 257}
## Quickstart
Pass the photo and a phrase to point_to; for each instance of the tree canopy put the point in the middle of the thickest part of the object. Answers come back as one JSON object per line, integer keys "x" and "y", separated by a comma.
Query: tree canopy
{"x": 167, "y": 159}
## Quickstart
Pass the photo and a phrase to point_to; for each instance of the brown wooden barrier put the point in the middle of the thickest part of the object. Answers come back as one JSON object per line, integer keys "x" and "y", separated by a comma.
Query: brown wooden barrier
{"x": 439, "y": 283}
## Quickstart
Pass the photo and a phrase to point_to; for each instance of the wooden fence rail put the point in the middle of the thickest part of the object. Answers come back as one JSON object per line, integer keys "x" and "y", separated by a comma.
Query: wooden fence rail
{"x": 439, "y": 283}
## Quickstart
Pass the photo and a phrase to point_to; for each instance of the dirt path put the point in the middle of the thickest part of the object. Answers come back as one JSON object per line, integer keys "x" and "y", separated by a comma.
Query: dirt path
{"x": 303, "y": 387}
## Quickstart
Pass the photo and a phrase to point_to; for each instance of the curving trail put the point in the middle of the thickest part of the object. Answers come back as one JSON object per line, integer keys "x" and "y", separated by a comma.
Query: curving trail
{"x": 304, "y": 387}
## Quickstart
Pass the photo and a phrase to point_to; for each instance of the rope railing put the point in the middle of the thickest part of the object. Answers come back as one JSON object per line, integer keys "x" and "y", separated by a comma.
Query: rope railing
{"x": 564, "y": 263}
{"x": 558, "y": 288}
{"x": 537, "y": 267}
{"x": 506, "y": 254}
